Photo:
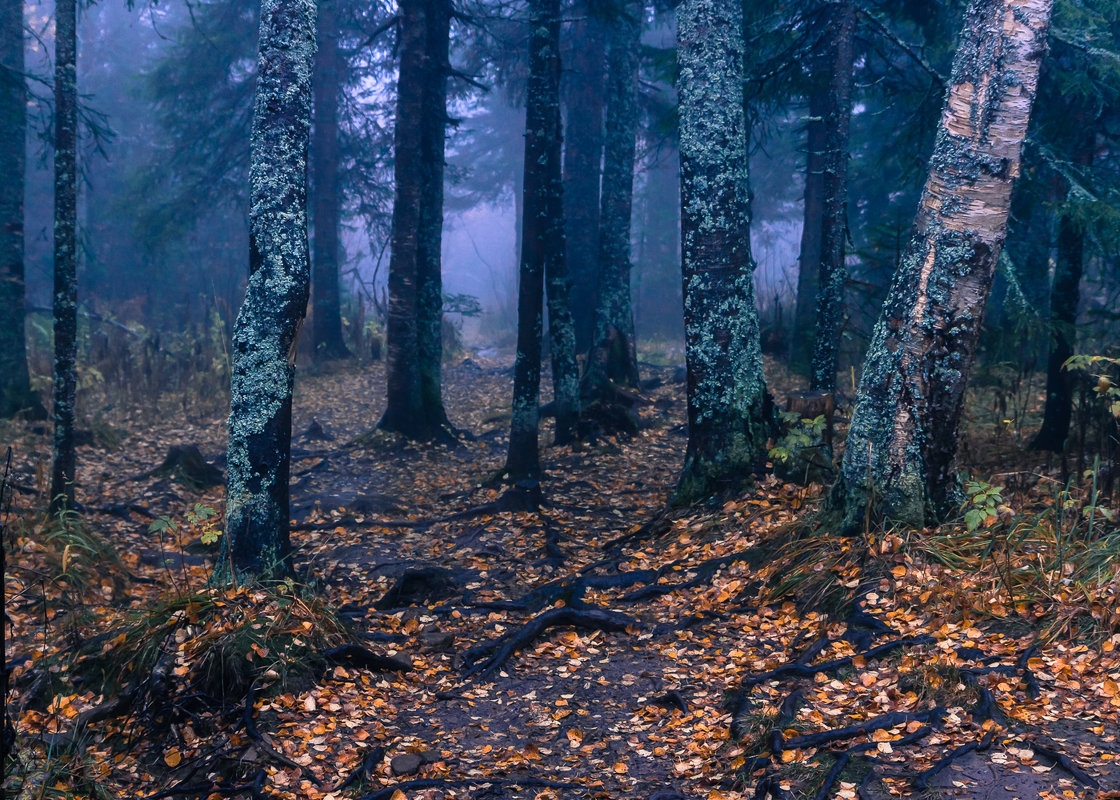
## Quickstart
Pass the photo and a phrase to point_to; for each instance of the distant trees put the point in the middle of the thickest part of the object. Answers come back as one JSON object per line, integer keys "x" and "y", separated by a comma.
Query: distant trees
{"x": 901, "y": 447}
{"x": 541, "y": 241}
{"x": 15, "y": 386}
{"x": 65, "y": 254}
{"x": 260, "y": 420}
{"x": 414, "y": 336}
{"x": 728, "y": 406}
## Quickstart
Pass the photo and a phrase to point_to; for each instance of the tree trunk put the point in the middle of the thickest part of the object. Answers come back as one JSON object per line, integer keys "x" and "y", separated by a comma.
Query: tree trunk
{"x": 264, "y": 340}
{"x": 902, "y": 444}
{"x": 414, "y": 406}
{"x": 615, "y": 358}
{"x": 326, "y": 315}
{"x": 584, "y": 97}
{"x": 728, "y": 407}
{"x": 834, "y": 228}
{"x": 1064, "y": 299}
{"x": 65, "y": 253}
{"x": 15, "y": 384}
{"x": 542, "y": 228}
{"x": 429, "y": 309}
{"x": 809, "y": 262}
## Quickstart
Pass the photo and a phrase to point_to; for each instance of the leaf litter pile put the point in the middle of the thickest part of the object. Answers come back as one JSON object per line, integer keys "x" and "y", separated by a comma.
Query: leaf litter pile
{"x": 432, "y": 647}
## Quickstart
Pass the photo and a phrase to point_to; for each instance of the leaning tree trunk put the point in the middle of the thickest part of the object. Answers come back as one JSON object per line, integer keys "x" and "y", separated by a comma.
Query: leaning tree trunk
{"x": 414, "y": 407}
{"x": 264, "y": 339}
{"x": 326, "y": 314}
{"x": 15, "y": 384}
{"x": 542, "y": 227}
{"x": 728, "y": 407}
{"x": 584, "y": 97}
{"x": 1064, "y": 299}
{"x": 901, "y": 447}
{"x": 832, "y": 273}
{"x": 65, "y": 253}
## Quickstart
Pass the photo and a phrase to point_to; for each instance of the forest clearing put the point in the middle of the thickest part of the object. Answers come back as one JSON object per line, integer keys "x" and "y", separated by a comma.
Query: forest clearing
{"x": 585, "y": 399}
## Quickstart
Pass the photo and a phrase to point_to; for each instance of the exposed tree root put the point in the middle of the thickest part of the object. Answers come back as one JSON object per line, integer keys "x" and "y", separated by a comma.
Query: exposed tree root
{"x": 434, "y": 783}
{"x": 485, "y": 659}
{"x": 363, "y": 770}
{"x": 921, "y": 782}
{"x": 357, "y": 656}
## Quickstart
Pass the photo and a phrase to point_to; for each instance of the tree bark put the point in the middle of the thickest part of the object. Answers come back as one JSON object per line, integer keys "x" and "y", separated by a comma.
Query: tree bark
{"x": 414, "y": 405}
{"x": 65, "y": 253}
{"x": 1064, "y": 299}
{"x": 15, "y": 383}
{"x": 584, "y": 98}
{"x": 615, "y": 358}
{"x": 832, "y": 272}
{"x": 809, "y": 261}
{"x": 326, "y": 314}
{"x": 728, "y": 408}
{"x": 542, "y": 228}
{"x": 899, "y": 458}
{"x": 264, "y": 340}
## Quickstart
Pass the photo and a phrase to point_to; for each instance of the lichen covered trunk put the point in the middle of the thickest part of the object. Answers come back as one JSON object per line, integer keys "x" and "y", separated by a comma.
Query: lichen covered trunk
{"x": 260, "y": 421}
{"x": 728, "y": 410}
{"x": 831, "y": 273}
{"x": 65, "y": 253}
{"x": 414, "y": 405}
{"x": 538, "y": 232}
{"x": 616, "y": 358}
{"x": 326, "y": 315}
{"x": 899, "y": 458}
{"x": 429, "y": 264}
{"x": 584, "y": 97}
{"x": 1064, "y": 299}
{"x": 15, "y": 386}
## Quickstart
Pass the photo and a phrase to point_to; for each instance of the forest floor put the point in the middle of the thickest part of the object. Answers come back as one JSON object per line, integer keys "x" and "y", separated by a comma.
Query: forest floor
{"x": 600, "y": 648}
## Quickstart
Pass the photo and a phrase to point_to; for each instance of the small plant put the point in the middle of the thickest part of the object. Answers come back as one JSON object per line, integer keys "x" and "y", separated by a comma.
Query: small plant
{"x": 800, "y": 433}
{"x": 984, "y": 504}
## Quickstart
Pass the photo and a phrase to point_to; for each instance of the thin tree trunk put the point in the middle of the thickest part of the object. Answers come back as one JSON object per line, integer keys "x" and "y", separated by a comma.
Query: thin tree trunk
{"x": 614, "y": 358}
{"x": 326, "y": 316}
{"x": 414, "y": 406}
{"x": 429, "y": 309}
{"x": 901, "y": 447}
{"x": 809, "y": 262}
{"x": 541, "y": 228}
{"x": 264, "y": 340}
{"x": 728, "y": 409}
{"x": 65, "y": 253}
{"x": 1064, "y": 299}
{"x": 584, "y": 98}
{"x": 832, "y": 273}
{"x": 15, "y": 384}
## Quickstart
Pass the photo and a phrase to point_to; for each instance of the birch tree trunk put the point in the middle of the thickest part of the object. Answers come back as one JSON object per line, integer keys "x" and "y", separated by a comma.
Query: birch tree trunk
{"x": 728, "y": 408}
{"x": 264, "y": 340}
{"x": 65, "y": 253}
{"x": 901, "y": 448}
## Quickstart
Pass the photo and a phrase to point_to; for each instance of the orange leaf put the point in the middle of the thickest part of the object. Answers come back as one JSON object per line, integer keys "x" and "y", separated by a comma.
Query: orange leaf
{"x": 172, "y": 757}
{"x": 1110, "y": 688}
{"x": 620, "y": 768}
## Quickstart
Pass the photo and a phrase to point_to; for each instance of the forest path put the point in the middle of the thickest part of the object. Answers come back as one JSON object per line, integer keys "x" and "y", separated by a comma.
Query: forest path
{"x": 641, "y": 700}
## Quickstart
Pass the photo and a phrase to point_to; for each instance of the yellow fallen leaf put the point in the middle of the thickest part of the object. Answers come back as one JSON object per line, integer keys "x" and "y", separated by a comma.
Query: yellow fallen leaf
{"x": 172, "y": 757}
{"x": 620, "y": 768}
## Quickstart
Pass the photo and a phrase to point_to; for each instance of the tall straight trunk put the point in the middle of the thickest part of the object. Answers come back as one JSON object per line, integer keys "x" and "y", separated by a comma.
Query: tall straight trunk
{"x": 15, "y": 384}
{"x": 832, "y": 273}
{"x": 65, "y": 253}
{"x": 614, "y": 357}
{"x": 326, "y": 315}
{"x": 728, "y": 407}
{"x": 809, "y": 261}
{"x": 429, "y": 308}
{"x": 542, "y": 229}
{"x": 584, "y": 98}
{"x": 264, "y": 338}
{"x": 1064, "y": 299}
{"x": 902, "y": 444}
{"x": 414, "y": 407}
